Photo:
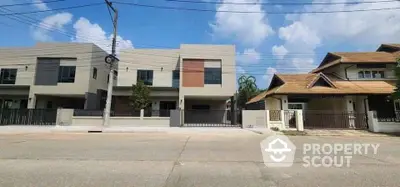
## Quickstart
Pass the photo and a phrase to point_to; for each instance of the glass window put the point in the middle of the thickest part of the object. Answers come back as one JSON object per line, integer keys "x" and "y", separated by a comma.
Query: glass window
{"x": 175, "y": 74}
{"x": 66, "y": 74}
{"x": 367, "y": 74}
{"x": 94, "y": 73}
{"x": 8, "y": 76}
{"x": 212, "y": 76}
{"x": 397, "y": 105}
{"x": 381, "y": 74}
{"x": 146, "y": 76}
{"x": 375, "y": 74}
{"x": 360, "y": 74}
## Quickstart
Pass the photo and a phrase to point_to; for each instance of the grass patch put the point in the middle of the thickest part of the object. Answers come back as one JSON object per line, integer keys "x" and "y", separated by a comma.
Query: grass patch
{"x": 294, "y": 133}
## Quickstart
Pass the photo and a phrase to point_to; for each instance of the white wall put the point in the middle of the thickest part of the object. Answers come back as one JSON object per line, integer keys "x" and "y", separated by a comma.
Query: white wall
{"x": 254, "y": 119}
{"x": 224, "y": 53}
{"x": 122, "y": 121}
{"x": 352, "y": 71}
{"x": 161, "y": 61}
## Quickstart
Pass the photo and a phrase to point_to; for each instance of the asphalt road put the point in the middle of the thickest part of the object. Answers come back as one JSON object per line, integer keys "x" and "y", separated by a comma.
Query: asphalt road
{"x": 180, "y": 160}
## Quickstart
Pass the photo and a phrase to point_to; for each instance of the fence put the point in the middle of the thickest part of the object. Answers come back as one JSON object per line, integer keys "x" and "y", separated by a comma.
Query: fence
{"x": 334, "y": 120}
{"x": 385, "y": 117}
{"x": 275, "y": 115}
{"x": 28, "y": 116}
{"x": 210, "y": 118}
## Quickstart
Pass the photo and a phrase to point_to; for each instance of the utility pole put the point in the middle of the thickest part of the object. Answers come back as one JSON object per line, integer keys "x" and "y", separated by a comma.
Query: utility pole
{"x": 111, "y": 59}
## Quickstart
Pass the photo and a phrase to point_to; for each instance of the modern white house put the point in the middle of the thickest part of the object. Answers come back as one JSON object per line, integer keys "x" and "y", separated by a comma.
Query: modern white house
{"x": 197, "y": 79}
{"x": 53, "y": 75}
{"x": 340, "y": 91}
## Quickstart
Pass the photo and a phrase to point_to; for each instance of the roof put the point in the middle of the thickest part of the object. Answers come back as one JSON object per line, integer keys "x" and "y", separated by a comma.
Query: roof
{"x": 300, "y": 84}
{"x": 392, "y": 45}
{"x": 332, "y": 59}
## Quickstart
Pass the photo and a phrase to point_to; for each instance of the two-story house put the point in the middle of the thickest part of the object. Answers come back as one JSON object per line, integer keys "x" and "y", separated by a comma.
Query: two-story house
{"x": 350, "y": 82}
{"x": 192, "y": 78}
{"x": 52, "y": 75}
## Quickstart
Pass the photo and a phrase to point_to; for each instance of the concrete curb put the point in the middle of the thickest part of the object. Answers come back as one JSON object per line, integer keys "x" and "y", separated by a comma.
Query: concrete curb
{"x": 122, "y": 129}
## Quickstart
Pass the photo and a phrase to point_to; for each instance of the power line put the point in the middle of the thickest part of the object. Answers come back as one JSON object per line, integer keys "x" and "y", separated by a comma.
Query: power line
{"x": 281, "y": 3}
{"x": 55, "y": 9}
{"x": 252, "y": 12}
{"x": 31, "y": 3}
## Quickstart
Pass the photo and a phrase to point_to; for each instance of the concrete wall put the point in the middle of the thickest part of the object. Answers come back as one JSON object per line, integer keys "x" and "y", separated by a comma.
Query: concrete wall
{"x": 278, "y": 102}
{"x": 385, "y": 127}
{"x": 103, "y": 70}
{"x": 161, "y": 61}
{"x": 64, "y": 117}
{"x": 80, "y": 55}
{"x": 122, "y": 121}
{"x": 224, "y": 53}
{"x": 254, "y": 119}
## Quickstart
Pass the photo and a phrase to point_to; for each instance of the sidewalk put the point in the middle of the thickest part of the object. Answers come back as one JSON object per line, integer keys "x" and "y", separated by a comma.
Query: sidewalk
{"x": 27, "y": 129}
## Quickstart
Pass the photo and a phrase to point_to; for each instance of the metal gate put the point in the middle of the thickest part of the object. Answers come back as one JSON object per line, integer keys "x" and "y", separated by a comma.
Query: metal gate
{"x": 334, "y": 120}
{"x": 210, "y": 118}
{"x": 28, "y": 116}
{"x": 290, "y": 118}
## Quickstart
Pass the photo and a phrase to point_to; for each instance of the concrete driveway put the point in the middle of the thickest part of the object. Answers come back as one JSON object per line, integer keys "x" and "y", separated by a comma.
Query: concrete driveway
{"x": 231, "y": 158}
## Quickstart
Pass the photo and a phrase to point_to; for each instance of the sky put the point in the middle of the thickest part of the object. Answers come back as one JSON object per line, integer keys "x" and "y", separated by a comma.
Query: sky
{"x": 274, "y": 38}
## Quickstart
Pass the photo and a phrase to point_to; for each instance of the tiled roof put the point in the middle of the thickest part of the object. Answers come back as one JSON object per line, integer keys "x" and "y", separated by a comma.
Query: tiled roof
{"x": 297, "y": 84}
{"x": 358, "y": 57}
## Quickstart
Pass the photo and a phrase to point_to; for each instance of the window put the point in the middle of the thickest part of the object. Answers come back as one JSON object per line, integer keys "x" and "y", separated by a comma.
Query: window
{"x": 212, "y": 76}
{"x": 146, "y": 76}
{"x": 175, "y": 75}
{"x": 371, "y": 74}
{"x": 175, "y": 78}
{"x": 94, "y": 73}
{"x": 66, "y": 74}
{"x": 367, "y": 74}
{"x": 360, "y": 74}
{"x": 8, "y": 76}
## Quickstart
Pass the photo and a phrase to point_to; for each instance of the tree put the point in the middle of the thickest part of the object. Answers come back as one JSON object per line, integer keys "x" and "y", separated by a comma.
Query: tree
{"x": 140, "y": 97}
{"x": 396, "y": 94}
{"x": 247, "y": 90}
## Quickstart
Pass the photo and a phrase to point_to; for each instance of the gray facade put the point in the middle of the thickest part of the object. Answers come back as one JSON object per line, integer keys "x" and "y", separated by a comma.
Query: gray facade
{"x": 55, "y": 75}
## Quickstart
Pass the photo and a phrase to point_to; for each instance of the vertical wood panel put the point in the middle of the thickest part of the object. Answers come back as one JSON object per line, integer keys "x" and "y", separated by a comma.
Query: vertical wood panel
{"x": 193, "y": 73}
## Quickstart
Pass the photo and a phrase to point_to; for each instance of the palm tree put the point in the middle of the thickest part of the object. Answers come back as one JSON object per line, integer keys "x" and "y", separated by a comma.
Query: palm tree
{"x": 247, "y": 90}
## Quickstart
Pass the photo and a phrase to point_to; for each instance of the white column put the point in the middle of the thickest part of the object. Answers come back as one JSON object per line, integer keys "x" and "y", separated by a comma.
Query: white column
{"x": 267, "y": 121}
{"x": 283, "y": 125}
{"x": 350, "y": 109}
{"x": 299, "y": 120}
{"x": 141, "y": 114}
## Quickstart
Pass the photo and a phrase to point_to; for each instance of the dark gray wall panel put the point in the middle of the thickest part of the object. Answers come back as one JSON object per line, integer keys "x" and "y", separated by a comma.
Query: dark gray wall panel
{"x": 47, "y": 71}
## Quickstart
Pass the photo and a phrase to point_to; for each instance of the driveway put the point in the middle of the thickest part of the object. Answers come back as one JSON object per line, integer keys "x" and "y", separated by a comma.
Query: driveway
{"x": 231, "y": 158}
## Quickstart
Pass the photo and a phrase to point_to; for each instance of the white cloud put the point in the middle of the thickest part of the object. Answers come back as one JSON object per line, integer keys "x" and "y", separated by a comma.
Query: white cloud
{"x": 268, "y": 74}
{"x": 249, "y": 56}
{"x": 49, "y": 23}
{"x": 39, "y": 4}
{"x": 279, "y": 51}
{"x": 240, "y": 70}
{"x": 92, "y": 32}
{"x": 307, "y": 32}
{"x": 250, "y": 29}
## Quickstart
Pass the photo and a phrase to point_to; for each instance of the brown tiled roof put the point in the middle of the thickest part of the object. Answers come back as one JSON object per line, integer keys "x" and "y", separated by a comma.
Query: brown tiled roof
{"x": 297, "y": 84}
{"x": 358, "y": 57}
{"x": 393, "y": 45}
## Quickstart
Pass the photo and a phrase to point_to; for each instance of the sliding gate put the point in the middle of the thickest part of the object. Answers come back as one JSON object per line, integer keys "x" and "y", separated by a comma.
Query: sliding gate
{"x": 211, "y": 118}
